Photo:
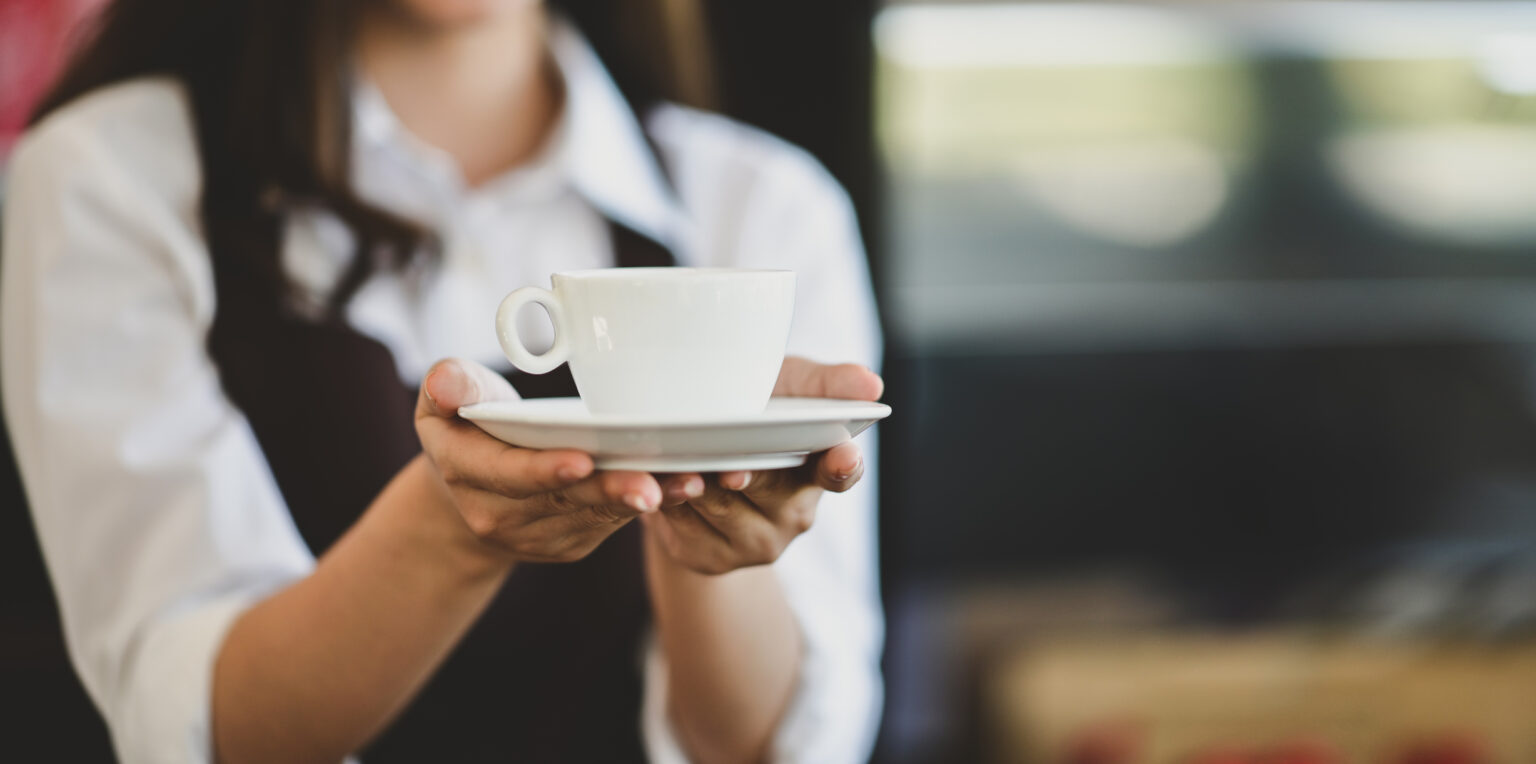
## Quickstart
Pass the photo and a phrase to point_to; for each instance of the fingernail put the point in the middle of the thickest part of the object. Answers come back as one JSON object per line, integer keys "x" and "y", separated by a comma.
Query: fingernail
{"x": 461, "y": 386}
{"x": 639, "y": 502}
{"x": 851, "y": 471}
{"x": 694, "y": 488}
{"x": 426, "y": 388}
{"x": 570, "y": 473}
{"x": 674, "y": 494}
{"x": 746, "y": 480}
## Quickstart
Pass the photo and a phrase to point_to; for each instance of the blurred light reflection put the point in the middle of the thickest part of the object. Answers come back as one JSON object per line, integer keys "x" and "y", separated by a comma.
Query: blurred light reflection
{"x": 1228, "y": 310}
{"x": 1147, "y": 194}
{"x": 1472, "y": 183}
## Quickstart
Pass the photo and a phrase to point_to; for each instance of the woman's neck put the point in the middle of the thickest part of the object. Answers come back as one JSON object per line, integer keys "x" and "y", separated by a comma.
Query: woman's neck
{"x": 486, "y": 94}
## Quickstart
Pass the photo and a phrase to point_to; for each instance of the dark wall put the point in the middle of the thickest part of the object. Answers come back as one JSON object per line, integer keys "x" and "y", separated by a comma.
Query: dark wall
{"x": 800, "y": 69}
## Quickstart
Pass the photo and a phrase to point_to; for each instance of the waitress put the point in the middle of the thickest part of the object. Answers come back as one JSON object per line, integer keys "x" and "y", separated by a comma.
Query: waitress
{"x": 240, "y": 234}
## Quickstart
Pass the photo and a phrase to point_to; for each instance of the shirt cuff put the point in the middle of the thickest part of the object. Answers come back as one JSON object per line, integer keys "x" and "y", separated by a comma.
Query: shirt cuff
{"x": 831, "y": 717}
{"x": 164, "y": 713}
{"x": 661, "y": 745}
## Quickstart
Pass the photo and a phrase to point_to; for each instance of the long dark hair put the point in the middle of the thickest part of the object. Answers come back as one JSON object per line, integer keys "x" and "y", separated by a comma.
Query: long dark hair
{"x": 268, "y": 83}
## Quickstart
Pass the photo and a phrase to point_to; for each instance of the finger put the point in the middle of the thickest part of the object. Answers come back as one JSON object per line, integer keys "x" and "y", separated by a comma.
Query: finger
{"x": 768, "y": 482}
{"x": 677, "y": 489}
{"x": 467, "y": 457}
{"x": 453, "y": 383}
{"x": 735, "y": 481}
{"x": 601, "y": 503}
{"x": 808, "y": 379}
{"x": 840, "y": 468}
{"x": 721, "y": 531}
{"x": 837, "y": 469}
{"x": 559, "y": 540}
{"x": 769, "y": 488}
{"x": 637, "y": 492}
{"x": 692, "y": 541}
{"x": 692, "y": 531}
{"x": 734, "y": 516}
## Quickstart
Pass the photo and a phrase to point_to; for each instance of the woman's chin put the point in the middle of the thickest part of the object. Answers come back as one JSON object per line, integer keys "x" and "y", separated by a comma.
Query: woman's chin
{"x": 460, "y": 13}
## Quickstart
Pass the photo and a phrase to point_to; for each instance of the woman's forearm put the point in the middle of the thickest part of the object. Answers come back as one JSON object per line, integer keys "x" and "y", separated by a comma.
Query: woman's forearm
{"x": 316, "y": 670}
{"x": 733, "y": 656}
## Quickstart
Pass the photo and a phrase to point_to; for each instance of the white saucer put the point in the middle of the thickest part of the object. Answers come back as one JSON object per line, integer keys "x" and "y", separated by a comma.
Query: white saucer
{"x": 781, "y": 436}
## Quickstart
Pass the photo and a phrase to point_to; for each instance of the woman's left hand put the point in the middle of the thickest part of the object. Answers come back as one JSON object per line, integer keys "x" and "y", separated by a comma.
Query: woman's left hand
{"x": 742, "y": 519}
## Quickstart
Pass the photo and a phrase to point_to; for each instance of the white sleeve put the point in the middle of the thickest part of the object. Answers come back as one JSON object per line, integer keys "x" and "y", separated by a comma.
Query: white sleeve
{"x": 158, "y": 517}
{"x": 802, "y": 220}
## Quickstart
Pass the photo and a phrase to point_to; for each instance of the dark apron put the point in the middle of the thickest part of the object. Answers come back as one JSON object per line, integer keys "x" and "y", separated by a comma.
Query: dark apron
{"x": 550, "y": 673}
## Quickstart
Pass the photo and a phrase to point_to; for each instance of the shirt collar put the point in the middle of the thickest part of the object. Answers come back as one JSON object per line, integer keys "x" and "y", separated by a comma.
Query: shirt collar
{"x": 598, "y": 147}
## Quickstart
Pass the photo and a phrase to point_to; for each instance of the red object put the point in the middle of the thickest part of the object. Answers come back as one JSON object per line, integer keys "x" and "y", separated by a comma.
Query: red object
{"x": 1117, "y": 742}
{"x": 34, "y": 44}
{"x": 1447, "y": 749}
{"x": 1221, "y": 755}
{"x": 1302, "y": 752}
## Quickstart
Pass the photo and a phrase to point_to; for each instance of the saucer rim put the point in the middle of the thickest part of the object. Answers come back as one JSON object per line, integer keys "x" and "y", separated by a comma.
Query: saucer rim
{"x": 664, "y": 463}
{"x": 782, "y": 410}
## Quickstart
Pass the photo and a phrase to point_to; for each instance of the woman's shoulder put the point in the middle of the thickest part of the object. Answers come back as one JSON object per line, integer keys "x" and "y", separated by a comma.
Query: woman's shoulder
{"x": 138, "y": 129}
{"x": 119, "y": 164}
{"x": 719, "y": 155}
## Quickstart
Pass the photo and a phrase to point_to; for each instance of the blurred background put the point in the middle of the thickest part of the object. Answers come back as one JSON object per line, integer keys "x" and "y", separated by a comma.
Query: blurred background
{"x": 1212, "y": 341}
{"x": 1210, "y": 337}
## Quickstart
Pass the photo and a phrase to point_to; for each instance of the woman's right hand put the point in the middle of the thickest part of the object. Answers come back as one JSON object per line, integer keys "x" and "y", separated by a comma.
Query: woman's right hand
{"x": 518, "y": 504}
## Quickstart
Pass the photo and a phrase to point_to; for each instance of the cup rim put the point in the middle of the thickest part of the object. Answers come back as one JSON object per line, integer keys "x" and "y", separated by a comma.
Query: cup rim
{"x": 597, "y": 274}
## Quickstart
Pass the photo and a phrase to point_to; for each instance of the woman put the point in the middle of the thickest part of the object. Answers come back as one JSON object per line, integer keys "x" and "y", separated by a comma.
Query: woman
{"x": 239, "y": 233}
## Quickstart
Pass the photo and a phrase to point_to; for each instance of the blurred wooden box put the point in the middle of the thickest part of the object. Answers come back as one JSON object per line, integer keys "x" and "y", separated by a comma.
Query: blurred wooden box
{"x": 1167, "y": 698}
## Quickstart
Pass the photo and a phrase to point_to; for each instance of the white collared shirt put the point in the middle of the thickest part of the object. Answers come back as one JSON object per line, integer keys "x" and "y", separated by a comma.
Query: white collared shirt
{"x": 158, "y": 516}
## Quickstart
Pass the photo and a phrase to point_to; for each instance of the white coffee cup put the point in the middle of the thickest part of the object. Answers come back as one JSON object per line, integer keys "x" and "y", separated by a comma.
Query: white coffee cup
{"x": 668, "y": 342}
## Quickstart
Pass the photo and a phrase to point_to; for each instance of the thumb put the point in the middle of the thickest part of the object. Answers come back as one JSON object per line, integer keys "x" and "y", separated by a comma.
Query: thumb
{"x": 454, "y": 383}
{"x": 805, "y": 378}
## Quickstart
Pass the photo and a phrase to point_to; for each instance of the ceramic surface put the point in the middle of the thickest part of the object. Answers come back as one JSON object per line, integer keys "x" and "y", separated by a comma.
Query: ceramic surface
{"x": 781, "y": 435}
{"x": 669, "y": 342}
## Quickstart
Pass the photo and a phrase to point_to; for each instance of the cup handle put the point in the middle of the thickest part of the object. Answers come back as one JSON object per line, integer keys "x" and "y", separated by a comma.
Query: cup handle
{"x": 512, "y": 345}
